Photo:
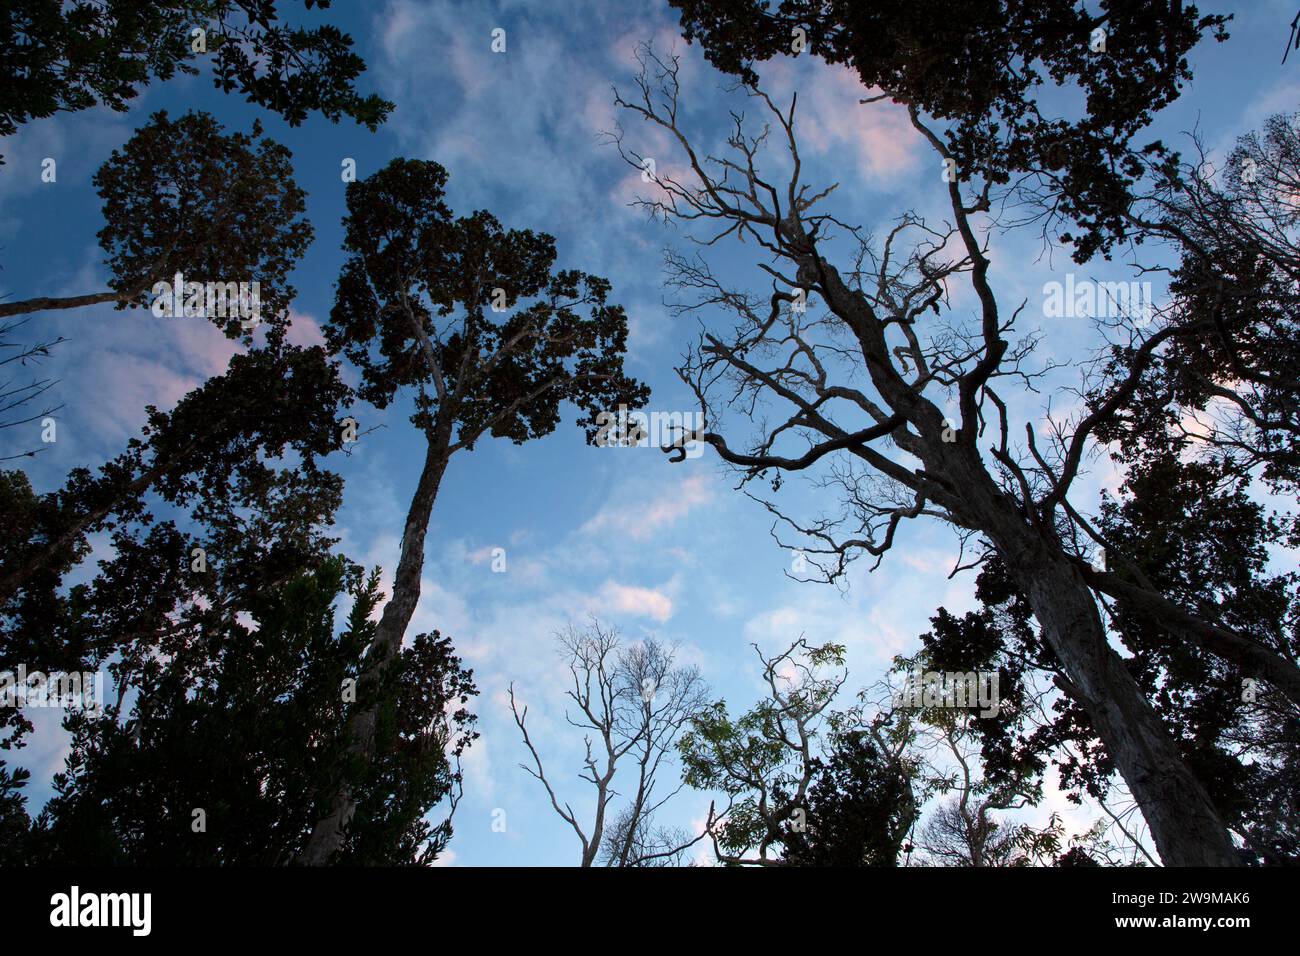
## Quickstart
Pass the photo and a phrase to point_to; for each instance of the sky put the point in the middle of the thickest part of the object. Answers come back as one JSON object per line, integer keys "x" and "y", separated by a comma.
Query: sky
{"x": 666, "y": 550}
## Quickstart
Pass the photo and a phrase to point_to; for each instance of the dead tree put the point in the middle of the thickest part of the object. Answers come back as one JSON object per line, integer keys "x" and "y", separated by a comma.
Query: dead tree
{"x": 631, "y": 704}
{"x": 839, "y": 392}
{"x": 965, "y": 829}
{"x": 16, "y": 393}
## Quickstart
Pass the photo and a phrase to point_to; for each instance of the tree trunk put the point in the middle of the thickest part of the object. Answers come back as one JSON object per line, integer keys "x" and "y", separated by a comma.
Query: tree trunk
{"x": 327, "y": 835}
{"x": 1185, "y": 824}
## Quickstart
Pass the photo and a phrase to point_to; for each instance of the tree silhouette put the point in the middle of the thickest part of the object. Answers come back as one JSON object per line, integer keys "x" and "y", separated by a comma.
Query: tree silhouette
{"x": 631, "y": 702}
{"x": 980, "y": 69}
{"x": 809, "y": 368}
{"x": 234, "y": 732}
{"x": 491, "y": 339}
{"x": 62, "y": 58}
{"x": 214, "y": 615}
{"x": 860, "y": 807}
{"x": 269, "y": 401}
{"x": 185, "y": 197}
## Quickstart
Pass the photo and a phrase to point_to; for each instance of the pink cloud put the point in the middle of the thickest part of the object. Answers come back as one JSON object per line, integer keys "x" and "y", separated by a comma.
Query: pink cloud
{"x": 304, "y": 330}
{"x": 830, "y": 115}
{"x": 116, "y": 387}
{"x": 629, "y": 599}
{"x": 196, "y": 345}
{"x": 655, "y": 513}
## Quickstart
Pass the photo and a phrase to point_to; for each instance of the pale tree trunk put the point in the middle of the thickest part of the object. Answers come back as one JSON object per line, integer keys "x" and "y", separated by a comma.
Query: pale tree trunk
{"x": 327, "y": 835}
{"x": 592, "y": 849}
{"x": 1185, "y": 825}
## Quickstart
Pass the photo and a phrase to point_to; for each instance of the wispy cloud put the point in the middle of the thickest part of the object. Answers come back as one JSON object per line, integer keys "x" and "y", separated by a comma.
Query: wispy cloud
{"x": 640, "y": 518}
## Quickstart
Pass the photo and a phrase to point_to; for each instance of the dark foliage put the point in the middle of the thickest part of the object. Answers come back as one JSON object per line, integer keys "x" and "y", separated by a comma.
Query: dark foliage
{"x": 985, "y": 67}
{"x": 64, "y": 57}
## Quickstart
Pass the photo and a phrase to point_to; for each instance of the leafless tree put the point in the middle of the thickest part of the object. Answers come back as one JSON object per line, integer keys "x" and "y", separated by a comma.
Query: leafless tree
{"x": 631, "y": 704}
{"x": 971, "y": 822}
{"x": 635, "y": 840}
{"x": 863, "y": 386}
{"x": 959, "y": 833}
{"x": 968, "y": 828}
{"x": 18, "y": 391}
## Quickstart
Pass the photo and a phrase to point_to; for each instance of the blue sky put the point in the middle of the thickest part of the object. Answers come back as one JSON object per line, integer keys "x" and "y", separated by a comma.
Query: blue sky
{"x": 658, "y": 549}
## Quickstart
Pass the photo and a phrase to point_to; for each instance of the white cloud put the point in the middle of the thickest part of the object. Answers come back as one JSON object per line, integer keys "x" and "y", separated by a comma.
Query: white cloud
{"x": 640, "y": 517}
{"x": 630, "y": 599}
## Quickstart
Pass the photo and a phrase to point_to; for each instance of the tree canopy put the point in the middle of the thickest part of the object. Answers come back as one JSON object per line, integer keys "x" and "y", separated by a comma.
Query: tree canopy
{"x": 65, "y": 57}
